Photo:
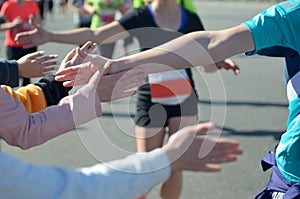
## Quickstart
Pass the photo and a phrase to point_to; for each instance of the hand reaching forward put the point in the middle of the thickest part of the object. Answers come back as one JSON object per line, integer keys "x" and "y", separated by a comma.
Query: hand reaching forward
{"x": 72, "y": 58}
{"x": 228, "y": 64}
{"x": 73, "y": 75}
{"x": 36, "y": 64}
{"x": 32, "y": 38}
{"x": 188, "y": 150}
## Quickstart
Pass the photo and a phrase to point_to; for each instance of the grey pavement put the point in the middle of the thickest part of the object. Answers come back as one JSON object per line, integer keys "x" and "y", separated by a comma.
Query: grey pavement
{"x": 251, "y": 108}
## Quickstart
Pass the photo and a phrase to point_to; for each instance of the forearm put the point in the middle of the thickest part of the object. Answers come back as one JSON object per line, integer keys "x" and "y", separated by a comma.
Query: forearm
{"x": 122, "y": 179}
{"x": 19, "y": 128}
{"x": 105, "y": 34}
{"x": 194, "y": 49}
{"x": 76, "y": 36}
{"x": 36, "y": 97}
{"x": 6, "y": 26}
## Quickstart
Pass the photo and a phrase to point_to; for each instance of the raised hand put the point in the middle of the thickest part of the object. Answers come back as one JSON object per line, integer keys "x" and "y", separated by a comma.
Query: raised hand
{"x": 36, "y": 64}
{"x": 32, "y": 38}
{"x": 72, "y": 58}
{"x": 80, "y": 74}
{"x": 188, "y": 149}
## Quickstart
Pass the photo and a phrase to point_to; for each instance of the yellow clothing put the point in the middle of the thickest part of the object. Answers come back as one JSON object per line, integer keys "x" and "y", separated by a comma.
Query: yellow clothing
{"x": 31, "y": 96}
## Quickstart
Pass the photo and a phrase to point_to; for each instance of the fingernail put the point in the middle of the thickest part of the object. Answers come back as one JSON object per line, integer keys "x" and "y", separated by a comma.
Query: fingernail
{"x": 54, "y": 55}
{"x": 42, "y": 52}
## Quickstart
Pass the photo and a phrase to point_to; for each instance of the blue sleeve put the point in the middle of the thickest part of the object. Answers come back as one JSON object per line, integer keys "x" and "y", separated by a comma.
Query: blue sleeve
{"x": 122, "y": 179}
{"x": 9, "y": 74}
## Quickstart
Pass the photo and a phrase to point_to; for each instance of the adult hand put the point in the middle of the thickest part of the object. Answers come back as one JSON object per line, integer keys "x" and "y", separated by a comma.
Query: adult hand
{"x": 120, "y": 85}
{"x": 72, "y": 58}
{"x": 36, "y": 64}
{"x": 80, "y": 74}
{"x": 228, "y": 64}
{"x": 188, "y": 150}
{"x": 35, "y": 37}
{"x": 17, "y": 22}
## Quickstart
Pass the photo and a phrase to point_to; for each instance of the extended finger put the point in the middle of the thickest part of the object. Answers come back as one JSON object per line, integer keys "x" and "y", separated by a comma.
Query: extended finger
{"x": 86, "y": 46}
{"x": 203, "y": 128}
{"x": 67, "y": 71}
{"x": 36, "y": 54}
{"x": 70, "y": 55}
{"x": 222, "y": 159}
{"x": 93, "y": 58}
{"x": 46, "y": 58}
{"x": 49, "y": 63}
{"x": 72, "y": 76}
{"x": 75, "y": 82}
{"x": 49, "y": 69}
{"x": 210, "y": 168}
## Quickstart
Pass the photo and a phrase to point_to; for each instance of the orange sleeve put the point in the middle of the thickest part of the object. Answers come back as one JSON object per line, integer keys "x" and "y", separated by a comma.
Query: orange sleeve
{"x": 31, "y": 96}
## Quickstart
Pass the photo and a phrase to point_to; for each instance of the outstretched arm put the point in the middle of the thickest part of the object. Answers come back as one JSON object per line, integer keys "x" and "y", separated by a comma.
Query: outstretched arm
{"x": 105, "y": 34}
{"x": 19, "y": 128}
{"x": 194, "y": 49}
{"x": 126, "y": 178}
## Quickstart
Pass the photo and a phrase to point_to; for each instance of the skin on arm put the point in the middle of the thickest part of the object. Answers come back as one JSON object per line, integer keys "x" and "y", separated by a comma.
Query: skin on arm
{"x": 193, "y": 49}
{"x": 110, "y": 87}
{"x": 125, "y": 178}
{"x": 9, "y": 25}
{"x": 106, "y": 34}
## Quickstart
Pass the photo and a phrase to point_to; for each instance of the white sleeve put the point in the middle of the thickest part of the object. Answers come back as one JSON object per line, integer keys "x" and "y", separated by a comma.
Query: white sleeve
{"x": 120, "y": 179}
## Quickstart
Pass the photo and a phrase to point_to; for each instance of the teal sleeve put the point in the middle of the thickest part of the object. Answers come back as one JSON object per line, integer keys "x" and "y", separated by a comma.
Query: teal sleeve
{"x": 276, "y": 26}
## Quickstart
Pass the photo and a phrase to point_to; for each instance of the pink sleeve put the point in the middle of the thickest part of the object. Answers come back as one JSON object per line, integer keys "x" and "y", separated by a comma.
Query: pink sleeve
{"x": 19, "y": 128}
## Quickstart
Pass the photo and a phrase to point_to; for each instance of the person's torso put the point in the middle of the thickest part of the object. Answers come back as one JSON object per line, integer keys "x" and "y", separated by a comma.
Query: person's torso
{"x": 12, "y": 11}
{"x": 141, "y": 24}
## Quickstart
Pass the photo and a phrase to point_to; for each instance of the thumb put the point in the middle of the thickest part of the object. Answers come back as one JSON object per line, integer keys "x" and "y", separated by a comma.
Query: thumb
{"x": 83, "y": 55}
{"x": 97, "y": 60}
{"x": 30, "y": 20}
{"x": 94, "y": 80}
{"x": 203, "y": 128}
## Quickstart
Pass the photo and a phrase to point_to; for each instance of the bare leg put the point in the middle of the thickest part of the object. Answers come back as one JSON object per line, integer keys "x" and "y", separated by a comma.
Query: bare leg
{"x": 171, "y": 189}
{"x": 148, "y": 139}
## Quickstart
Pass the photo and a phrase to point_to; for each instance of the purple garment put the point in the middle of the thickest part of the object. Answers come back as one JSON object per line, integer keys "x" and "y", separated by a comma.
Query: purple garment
{"x": 277, "y": 181}
{"x": 19, "y": 128}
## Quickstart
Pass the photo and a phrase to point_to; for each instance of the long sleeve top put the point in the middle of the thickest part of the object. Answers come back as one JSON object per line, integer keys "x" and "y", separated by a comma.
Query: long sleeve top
{"x": 36, "y": 97}
{"x": 20, "y": 128}
{"x": 9, "y": 73}
{"x": 121, "y": 179}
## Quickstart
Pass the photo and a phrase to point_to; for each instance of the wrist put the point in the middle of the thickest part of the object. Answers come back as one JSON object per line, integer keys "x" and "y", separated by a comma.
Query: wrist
{"x": 20, "y": 68}
{"x": 172, "y": 157}
{"x": 119, "y": 65}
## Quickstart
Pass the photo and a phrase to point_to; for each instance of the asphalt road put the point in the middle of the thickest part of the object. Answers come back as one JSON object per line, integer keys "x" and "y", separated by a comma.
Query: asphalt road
{"x": 251, "y": 108}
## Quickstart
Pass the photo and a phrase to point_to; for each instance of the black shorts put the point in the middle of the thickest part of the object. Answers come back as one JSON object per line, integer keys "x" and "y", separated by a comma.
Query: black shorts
{"x": 15, "y": 53}
{"x": 150, "y": 114}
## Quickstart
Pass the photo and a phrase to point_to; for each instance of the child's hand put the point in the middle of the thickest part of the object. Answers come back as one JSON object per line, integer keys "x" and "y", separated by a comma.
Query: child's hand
{"x": 36, "y": 64}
